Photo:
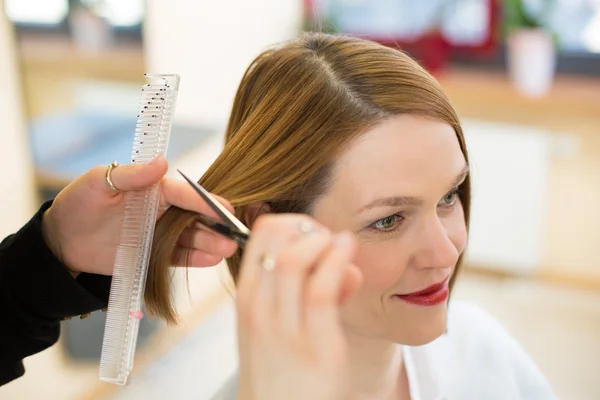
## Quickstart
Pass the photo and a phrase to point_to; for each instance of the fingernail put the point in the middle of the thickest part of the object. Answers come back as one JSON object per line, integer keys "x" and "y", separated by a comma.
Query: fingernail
{"x": 343, "y": 240}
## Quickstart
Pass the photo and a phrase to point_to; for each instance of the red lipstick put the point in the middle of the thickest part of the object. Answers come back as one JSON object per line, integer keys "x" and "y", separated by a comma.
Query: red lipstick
{"x": 431, "y": 296}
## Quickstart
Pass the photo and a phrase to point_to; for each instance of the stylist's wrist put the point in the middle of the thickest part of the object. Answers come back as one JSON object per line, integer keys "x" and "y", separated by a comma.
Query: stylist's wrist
{"x": 51, "y": 240}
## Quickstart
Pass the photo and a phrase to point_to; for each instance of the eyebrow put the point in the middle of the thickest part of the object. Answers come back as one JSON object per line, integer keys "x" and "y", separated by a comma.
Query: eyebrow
{"x": 400, "y": 201}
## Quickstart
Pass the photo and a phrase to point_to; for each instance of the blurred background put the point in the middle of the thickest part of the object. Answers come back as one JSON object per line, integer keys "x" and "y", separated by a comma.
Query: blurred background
{"x": 524, "y": 76}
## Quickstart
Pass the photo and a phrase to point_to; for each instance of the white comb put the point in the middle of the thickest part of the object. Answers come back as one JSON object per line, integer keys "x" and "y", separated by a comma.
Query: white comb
{"x": 153, "y": 128}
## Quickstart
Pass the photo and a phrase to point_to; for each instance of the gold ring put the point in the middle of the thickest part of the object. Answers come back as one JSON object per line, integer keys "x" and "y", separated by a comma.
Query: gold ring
{"x": 112, "y": 165}
{"x": 268, "y": 262}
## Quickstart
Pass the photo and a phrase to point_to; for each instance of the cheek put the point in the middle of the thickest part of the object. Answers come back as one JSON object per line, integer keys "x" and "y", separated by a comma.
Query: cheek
{"x": 382, "y": 264}
{"x": 457, "y": 229}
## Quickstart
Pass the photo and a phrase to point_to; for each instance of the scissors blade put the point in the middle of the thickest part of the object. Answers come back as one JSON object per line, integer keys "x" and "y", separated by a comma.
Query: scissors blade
{"x": 222, "y": 229}
{"x": 217, "y": 207}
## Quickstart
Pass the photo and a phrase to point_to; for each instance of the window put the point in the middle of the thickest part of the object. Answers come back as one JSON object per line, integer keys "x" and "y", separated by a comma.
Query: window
{"x": 118, "y": 13}
{"x": 35, "y": 12}
{"x": 51, "y": 13}
{"x": 576, "y": 24}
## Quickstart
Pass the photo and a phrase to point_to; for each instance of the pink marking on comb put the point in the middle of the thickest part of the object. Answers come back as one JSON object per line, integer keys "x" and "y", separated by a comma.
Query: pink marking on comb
{"x": 136, "y": 314}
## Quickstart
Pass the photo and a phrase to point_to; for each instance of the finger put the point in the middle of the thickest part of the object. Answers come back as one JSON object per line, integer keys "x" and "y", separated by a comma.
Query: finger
{"x": 180, "y": 194}
{"x": 186, "y": 257}
{"x": 270, "y": 234}
{"x": 263, "y": 303}
{"x": 322, "y": 294}
{"x": 207, "y": 242}
{"x": 252, "y": 300}
{"x": 351, "y": 282}
{"x": 293, "y": 267}
{"x": 127, "y": 177}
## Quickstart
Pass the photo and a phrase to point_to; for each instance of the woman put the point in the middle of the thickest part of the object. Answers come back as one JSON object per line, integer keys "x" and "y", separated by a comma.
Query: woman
{"x": 345, "y": 294}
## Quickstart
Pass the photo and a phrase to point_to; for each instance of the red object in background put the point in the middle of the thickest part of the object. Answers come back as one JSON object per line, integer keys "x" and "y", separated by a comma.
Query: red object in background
{"x": 432, "y": 50}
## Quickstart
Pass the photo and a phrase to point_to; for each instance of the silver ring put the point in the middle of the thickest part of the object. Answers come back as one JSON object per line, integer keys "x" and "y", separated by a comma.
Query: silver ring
{"x": 305, "y": 227}
{"x": 111, "y": 166}
{"x": 267, "y": 261}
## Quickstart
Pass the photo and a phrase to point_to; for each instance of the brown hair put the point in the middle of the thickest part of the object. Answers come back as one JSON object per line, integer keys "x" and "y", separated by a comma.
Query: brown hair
{"x": 297, "y": 107}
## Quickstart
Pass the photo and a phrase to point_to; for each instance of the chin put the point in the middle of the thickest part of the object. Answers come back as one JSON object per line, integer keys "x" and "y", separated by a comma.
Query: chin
{"x": 423, "y": 328}
{"x": 401, "y": 322}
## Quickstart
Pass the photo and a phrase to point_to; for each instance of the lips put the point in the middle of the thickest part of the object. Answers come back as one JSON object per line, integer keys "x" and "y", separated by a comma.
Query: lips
{"x": 430, "y": 296}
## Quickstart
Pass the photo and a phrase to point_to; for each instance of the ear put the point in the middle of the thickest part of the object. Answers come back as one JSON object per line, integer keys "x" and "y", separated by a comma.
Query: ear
{"x": 253, "y": 211}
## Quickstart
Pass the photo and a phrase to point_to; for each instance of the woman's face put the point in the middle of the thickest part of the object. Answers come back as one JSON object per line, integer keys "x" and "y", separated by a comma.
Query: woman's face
{"x": 396, "y": 189}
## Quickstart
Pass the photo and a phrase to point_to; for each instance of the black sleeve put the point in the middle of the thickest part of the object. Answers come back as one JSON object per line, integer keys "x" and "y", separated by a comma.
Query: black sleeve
{"x": 36, "y": 292}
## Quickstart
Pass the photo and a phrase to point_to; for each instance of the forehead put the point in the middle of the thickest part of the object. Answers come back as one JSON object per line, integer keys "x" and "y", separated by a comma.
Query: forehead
{"x": 405, "y": 155}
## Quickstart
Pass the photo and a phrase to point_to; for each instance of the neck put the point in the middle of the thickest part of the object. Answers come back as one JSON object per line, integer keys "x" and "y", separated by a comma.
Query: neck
{"x": 376, "y": 369}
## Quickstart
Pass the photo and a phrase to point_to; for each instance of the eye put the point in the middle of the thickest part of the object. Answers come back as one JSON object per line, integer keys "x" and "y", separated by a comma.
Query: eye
{"x": 450, "y": 198}
{"x": 388, "y": 224}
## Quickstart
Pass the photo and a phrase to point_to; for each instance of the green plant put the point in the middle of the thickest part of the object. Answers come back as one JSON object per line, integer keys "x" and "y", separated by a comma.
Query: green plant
{"x": 518, "y": 16}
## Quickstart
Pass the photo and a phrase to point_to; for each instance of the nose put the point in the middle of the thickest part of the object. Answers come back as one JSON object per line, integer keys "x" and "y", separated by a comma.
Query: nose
{"x": 433, "y": 245}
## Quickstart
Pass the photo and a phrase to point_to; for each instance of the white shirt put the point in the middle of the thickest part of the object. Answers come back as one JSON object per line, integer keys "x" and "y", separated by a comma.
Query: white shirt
{"x": 475, "y": 360}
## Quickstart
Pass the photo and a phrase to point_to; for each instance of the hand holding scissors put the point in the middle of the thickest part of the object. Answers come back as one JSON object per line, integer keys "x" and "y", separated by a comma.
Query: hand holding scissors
{"x": 83, "y": 225}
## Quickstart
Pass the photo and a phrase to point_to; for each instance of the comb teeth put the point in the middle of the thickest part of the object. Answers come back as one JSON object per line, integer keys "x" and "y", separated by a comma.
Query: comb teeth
{"x": 150, "y": 140}
{"x": 154, "y": 113}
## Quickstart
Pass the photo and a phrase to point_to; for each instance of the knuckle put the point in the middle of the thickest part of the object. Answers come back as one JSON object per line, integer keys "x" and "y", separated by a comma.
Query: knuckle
{"x": 324, "y": 236}
{"x": 287, "y": 263}
{"x": 285, "y": 222}
{"x": 97, "y": 173}
{"x": 263, "y": 222}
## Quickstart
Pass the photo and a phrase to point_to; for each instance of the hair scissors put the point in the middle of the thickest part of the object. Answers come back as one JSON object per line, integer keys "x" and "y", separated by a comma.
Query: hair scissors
{"x": 231, "y": 228}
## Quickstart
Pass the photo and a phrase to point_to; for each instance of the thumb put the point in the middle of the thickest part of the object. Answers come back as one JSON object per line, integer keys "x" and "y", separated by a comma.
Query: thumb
{"x": 138, "y": 176}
